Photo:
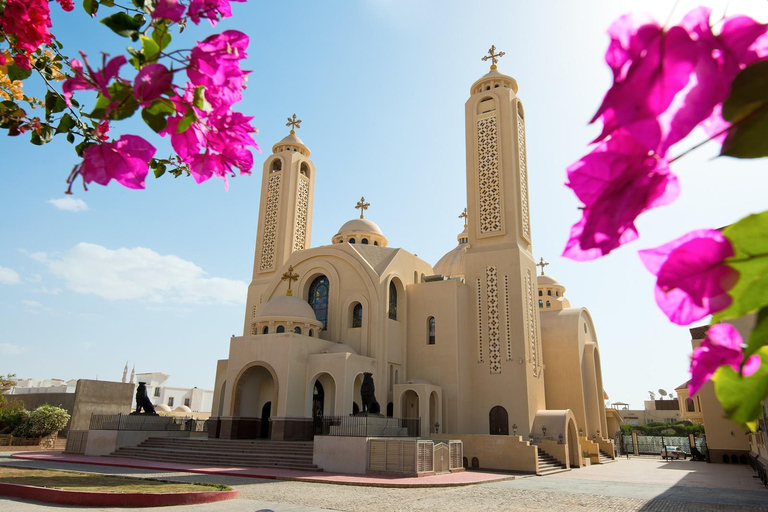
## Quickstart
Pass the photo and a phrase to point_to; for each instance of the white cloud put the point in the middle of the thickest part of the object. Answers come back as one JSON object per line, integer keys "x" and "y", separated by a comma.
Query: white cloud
{"x": 9, "y": 349}
{"x": 50, "y": 291}
{"x": 69, "y": 204}
{"x": 142, "y": 274}
{"x": 8, "y": 276}
{"x": 32, "y": 303}
{"x": 40, "y": 257}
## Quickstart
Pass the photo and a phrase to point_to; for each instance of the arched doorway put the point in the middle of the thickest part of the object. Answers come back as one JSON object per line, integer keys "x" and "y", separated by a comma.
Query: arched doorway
{"x": 255, "y": 393}
{"x": 410, "y": 404}
{"x": 221, "y": 398}
{"x": 433, "y": 412}
{"x": 323, "y": 395}
{"x": 498, "y": 421}
{"x": 574, "y": 451}
{"x": 357, "y": 397}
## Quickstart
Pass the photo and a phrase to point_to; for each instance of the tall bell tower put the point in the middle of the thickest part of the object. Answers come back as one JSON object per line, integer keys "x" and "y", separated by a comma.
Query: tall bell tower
{"x": 285, "y": 214}
{"x": 499, "y": 267}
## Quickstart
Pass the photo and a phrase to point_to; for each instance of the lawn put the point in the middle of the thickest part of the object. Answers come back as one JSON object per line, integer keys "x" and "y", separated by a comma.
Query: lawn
{"x": 74, "y": 481}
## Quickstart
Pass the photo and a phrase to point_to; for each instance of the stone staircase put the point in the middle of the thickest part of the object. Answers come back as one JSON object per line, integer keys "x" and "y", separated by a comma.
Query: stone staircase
{"x": 605, "y": 458}
{"x": 251, "y": 453}
{"x": 548, "y": 464}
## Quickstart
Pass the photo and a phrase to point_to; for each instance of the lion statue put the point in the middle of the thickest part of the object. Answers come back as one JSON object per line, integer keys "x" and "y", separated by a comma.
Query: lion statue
{"x": 143, "y": 401}
{"x": 367, "y": 391}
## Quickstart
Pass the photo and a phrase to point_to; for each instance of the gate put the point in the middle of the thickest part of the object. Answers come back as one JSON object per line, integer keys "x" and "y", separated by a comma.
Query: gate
{"x": 442, "y": 458}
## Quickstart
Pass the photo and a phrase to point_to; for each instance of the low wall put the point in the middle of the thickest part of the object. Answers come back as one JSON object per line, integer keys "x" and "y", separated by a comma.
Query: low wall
{"x": 341, "y": 454}
{"x": 607, "y": 446}
{"x": 557, "y": 450}
{"x": 104, "y": 442}
{"x": 591, "y": 448}
{"x": 509, "y": 453}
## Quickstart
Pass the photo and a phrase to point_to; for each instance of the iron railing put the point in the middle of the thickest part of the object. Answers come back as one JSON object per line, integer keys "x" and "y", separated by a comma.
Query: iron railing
{"x": 367, "y": 426}
{"x": 142, "y": 422}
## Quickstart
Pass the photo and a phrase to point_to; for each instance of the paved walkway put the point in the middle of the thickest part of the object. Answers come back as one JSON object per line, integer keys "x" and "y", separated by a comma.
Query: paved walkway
{"x": 625, "y": 485}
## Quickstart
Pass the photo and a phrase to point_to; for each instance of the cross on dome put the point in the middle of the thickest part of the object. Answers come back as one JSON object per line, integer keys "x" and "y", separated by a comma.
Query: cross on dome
{"x": 362, "y": 206}
{"x": 493, "y": 56}
{"x": 293, "y": 123}
{"x": 542, "y": 264}
{"x": 290, "y": 277}
{"x": 463, "y": 215}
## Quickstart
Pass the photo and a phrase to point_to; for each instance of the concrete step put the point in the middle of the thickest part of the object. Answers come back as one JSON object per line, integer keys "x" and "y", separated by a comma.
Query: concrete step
{"x": 224, "y": 462}
{"x": 549, "y": 465}
{"x": 150, "y": 452}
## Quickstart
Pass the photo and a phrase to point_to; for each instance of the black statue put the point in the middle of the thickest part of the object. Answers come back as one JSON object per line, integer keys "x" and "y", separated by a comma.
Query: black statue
{"x": 143, "y": 401}
{"x": 367, "y": 391}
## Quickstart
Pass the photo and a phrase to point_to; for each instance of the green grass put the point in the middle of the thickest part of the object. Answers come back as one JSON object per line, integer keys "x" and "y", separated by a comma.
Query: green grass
{"x": 74, "y": 481}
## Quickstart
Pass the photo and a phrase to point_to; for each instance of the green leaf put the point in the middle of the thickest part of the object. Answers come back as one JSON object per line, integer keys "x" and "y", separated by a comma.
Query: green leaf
{"x": 17, "y": 73}
{"x": 71, "y": 138}
{"x": 81, "y": 147}
{"x": 149, "y": 48}
{"x": 67, "y": 122}
{"x": 157, "y": 122}
{"x": 124, "y": 25}
{"x": 122, "y": 104}
{"x": 159, "y": 169}
{"x": 186, "y": 121}
{"x": 759, "y": 336}
{"x": 107, "y": 3}
{"x": 91, "y": 6}
{"x": 42, "y": 135}
{"x": 741, "y": 397}
{"x": 750, "y": 260}
{"x": 199, "y": 99}
{"x": 53, "y": 103}
{"x": 747, "y": 109}
{"x": 161, "y": 34}
{"x": 162, "y": 106}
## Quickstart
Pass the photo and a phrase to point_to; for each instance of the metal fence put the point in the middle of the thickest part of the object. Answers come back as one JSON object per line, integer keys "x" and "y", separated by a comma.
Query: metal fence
{"x": 367, "y": 426}
{"x": 654, "y": 445}
{"x": 142, "y": 422}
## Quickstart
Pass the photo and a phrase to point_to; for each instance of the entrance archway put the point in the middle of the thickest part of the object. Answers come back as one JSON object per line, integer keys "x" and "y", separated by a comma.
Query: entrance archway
{"x": 410, "y": 404}
{"x": 255, "y": 394}
{"x": 574, "y": 451}
{"x": 322, "y": 399}
{"x": 433, "y": 419}
{"x": 266, "y": 412}
{"x": 498, "y": 421}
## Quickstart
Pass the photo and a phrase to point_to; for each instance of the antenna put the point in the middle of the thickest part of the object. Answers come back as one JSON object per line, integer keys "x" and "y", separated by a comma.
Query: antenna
{"x": 662, "y": 392}
{"x": 653, "y": 395}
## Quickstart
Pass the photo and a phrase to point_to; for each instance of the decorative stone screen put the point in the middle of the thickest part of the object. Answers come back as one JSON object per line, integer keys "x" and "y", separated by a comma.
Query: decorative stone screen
{"x": 270, "y": 223}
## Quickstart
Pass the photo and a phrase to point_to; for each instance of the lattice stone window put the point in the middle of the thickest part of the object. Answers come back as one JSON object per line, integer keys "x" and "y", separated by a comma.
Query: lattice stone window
{"x": 489, "y": 186}
{"x": 492, "y": 297}
{"x": 525, "y": 212}
{"x": 270, "y": 223}
{"x": 302, "y": 210}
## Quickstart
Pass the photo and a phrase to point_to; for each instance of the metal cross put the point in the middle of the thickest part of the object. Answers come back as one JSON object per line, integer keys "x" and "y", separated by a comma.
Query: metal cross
{"x": 493, "y": 56}
{"x": 293, "y": 123}
{"x": 290, "y": 277}
{"x": 464, "y": 216}
{"x": 542, "y": 265}
{"x": 362, "y": 205}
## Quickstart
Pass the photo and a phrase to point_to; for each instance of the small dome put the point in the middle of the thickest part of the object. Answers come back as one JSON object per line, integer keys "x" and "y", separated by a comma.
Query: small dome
{"x": 452, "y": 264}
{"x": 286, "y": 307}
{"x": 340, "y": 348}
{"x": 291, "y": 142}
{"x": 547, "y": 281}
{"x": 492, "y": 80}
{"x": 360, "y": 226}
{"x": 291, "y": 138}
{"x": 162, "y": 408}
{"x": 182, "y": 408}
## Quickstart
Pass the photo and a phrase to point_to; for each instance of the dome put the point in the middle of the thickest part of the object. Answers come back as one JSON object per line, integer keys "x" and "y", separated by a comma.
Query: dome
{"x": 291, "y": 138}
{"x": 548, "y": 281}
{"x": 286, "y": 307}
{"x": 182, "y": 408}
{"x": 162, "y": 408}
{"x": 360, "y": 226}
{"x": 291, "y": 142}
{"x": 492, "y": 80}
{"x": 452, "y": 264}
{"x": 340, "y": 348}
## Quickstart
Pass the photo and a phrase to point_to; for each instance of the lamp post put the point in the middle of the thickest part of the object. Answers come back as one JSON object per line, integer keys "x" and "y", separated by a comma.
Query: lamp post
{"x": 514, "y": 429}
{"x": 437, "y": 427}
{"x": 544, "y": 431}
{"x": 560, "y": 438}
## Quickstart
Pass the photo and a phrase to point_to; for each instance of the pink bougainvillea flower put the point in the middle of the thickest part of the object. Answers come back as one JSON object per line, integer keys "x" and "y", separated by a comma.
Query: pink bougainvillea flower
{"x": 215, "y": 64}
{"x": 212, "y": 10}
{"x": 617, "y": 181}
{"x": 721, "y": 346}
{"x": 67, "y": 5}
{"x": 22, "y": 60}
{"x": 187, "y": 143}
{"x": 171, "y": 10}
{"x": 27, "y": 21}
{"x": 125, "y": 160}
{"x": 94, "y": 80}
{"x": 692, "y": 277}
{"x": 151, "y": 82}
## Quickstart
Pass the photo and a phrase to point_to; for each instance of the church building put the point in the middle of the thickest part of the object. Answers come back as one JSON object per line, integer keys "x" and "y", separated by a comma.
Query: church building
{"x": 478, "y": 347}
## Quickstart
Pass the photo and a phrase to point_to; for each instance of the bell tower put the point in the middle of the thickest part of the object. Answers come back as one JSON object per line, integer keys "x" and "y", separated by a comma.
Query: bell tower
{"x": 285, "y": 214}
{"x": 499, "y": 267}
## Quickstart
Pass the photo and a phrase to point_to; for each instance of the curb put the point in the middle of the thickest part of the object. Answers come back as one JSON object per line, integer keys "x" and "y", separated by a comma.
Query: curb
{"x": 112, "y": 499}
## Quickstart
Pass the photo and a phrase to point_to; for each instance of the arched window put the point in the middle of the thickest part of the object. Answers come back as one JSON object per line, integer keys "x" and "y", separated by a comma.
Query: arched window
{"x": 549, "y": 304}
{"x": 318, "y": 299}
{"x": 375, "y": 242}
{"x": 265, "y": 330}
{"x": 297, "y": 330}
{"x": 304, "y": 169}
{"x": 392, "y": 300}
{"x": 549, "y": 292}
{"x": 277, "y": 165}
{"x": 280, "y": 328}
{"x": 351, "y": 240}
{"x": 541, "y": 303}
{"x": 357, "y": 315}
{"x": 311, "y": 332}
{"x": 557, "y": 293}
{"x": 364, "y": 241}
{"x": 541, "y": 293}
{"x": 431, "y": 330}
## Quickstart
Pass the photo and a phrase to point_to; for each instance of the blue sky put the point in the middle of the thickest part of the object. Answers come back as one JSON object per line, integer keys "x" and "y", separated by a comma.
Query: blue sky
{"x": 158, "y": 277}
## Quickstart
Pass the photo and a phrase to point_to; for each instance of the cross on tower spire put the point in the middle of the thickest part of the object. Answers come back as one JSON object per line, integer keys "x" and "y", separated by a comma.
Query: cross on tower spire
{"x": 362, "y": 205}
{"x": 493, "y": 56}
{"x": 293, "y": 123}
{"x": 542, "y": 264}
{"x": 463, "y": 215}
{"x": 290, "y": 277}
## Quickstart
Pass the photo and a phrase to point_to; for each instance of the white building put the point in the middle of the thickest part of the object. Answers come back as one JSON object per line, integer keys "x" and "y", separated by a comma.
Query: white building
{"x": 166, "y": 398}
{"x": 31, "y": 386}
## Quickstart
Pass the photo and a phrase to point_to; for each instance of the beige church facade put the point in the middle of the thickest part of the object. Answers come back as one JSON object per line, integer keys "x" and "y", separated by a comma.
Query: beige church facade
{"x": 477, "y": 346}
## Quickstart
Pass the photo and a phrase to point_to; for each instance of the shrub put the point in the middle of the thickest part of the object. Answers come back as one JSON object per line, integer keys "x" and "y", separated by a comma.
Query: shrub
{"x": 12, "y": 414}
{"x": 43, "y": 421}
